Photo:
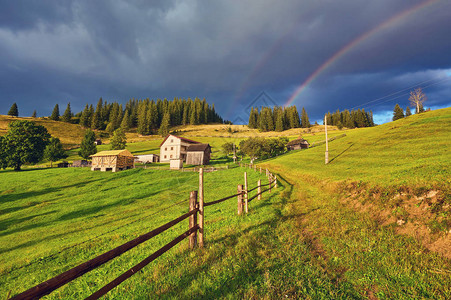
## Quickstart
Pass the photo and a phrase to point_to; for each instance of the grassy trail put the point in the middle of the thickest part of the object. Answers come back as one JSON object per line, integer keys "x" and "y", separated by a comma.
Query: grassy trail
{"x": 354, "y": 249}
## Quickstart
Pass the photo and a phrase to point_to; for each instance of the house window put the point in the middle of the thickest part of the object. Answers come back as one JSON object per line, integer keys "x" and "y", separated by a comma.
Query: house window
{"x": 165, "y": 149}
{"x": 165, "y": 156}
{"x": 171, "y": 155}
{"x": 172, "y": 141}
{"x": 172, "y": 148}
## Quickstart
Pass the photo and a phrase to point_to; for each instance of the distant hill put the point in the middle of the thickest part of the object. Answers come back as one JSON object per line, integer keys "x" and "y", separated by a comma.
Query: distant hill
{"x": 69, "y": 134}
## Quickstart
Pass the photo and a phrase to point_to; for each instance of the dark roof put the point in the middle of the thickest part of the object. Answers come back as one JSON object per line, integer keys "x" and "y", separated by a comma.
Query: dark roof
{"x": 198, "y": 147}
{"x": 297, "y": 142}
{"x": 182, "y": 138}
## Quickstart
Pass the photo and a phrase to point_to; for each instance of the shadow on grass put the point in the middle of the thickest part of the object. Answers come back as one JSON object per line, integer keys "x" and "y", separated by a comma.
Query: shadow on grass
{"x": 341, "y": 153}
{"x": 31, "y": 194}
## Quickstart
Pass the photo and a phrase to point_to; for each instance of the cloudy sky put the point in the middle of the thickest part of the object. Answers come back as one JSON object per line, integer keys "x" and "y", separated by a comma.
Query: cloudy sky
{"x": 319, "y": 54}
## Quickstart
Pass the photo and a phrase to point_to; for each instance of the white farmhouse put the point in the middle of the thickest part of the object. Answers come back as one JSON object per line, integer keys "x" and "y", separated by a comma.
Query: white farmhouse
{"x": 174, "y": 147}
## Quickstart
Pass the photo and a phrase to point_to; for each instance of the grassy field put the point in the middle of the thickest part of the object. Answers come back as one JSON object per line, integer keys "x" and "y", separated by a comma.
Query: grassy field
{"x": 328, "y": 232}
{"x": 53, "y": 219}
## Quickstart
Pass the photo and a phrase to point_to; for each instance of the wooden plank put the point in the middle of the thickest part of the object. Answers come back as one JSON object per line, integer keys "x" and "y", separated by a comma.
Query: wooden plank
{"x": 192, "y": 218}
{"x": 259, "y": 191}
{"x": 201, "y": 207}
{"x": 240, "y": 199}
{"x": 246, "y": 194}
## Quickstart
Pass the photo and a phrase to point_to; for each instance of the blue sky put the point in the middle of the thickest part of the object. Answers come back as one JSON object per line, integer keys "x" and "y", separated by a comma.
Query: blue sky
{"x": 225, "y": 51}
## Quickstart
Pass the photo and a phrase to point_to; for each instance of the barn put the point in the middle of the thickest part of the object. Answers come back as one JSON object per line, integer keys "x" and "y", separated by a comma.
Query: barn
{"x": 297, "y": 144}
{"x": 114, "y": 160}
{"x": 198, "y": 154}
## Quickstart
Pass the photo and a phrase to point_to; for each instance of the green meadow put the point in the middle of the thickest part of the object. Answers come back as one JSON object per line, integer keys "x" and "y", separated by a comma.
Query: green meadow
{"x": 322, "y": 234}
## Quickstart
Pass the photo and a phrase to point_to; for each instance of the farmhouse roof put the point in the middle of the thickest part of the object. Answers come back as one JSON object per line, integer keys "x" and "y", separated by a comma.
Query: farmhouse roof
{"x": 296, "y": 142}
{"x": 179, "y": 137}
{"x": 197, "y": 147}
{"x": 123, "y": 152}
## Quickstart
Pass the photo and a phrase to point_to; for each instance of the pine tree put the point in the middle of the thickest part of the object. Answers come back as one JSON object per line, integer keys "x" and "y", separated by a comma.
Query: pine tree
{"x": 34, "y": 114}
{"x": 408, "y": 112}
{"x": 13, "y": 111}
{"x": 164, "y": 127}
{"x": 398, "y": 113}
{"x": 55, "y": 116}
{"x": 142, "y": 113}
{"x": 119, "y": 140}
{"x": 67, "y": 114}
{"x": 88, "y": 147}
{"x": 279, "y": 122}
{"x": 125, "y": 124}
{"x": 85, "y": 117}
{"x": 305, "y": 122}
{"x": 97, "y": 118}
{"x": 252, "y": 123}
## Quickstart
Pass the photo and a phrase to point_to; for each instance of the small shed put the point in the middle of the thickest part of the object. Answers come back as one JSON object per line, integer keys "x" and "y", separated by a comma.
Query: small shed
{"x": 147, "y": 158}
{"x": 81, "y": 163}
{"x": 63, "y": 164}
{"x": 176, "y": 164}
{"x": 198, "y": 154}
{"x": 297, "y": 144}
{"x": 114, "y": 160}
{"x": 98, "y": 142}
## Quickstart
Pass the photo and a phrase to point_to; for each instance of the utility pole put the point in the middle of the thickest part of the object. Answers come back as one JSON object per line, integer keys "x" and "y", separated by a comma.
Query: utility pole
{"x": 327, "y": 143}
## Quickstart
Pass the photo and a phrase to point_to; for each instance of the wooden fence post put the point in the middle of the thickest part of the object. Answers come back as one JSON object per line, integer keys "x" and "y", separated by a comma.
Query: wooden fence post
{"x": 201, "y": 207}
{"x": 246, "y": 195}
{"x": 275, "y": 181}
{"x": 270, "y": 181}
{"x": 259, "y": 190}
{"x": 192, "y": 219}
{"x": 267, "y": 173}
{"x": 240, "y": 199}
{"x": 260, "y": 170}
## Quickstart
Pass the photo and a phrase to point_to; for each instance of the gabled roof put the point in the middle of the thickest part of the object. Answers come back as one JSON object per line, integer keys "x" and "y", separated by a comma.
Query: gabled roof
{"x": 179, "y": 137}
{"x": 123, "y": 152}
{"x": 297, "y": 142}
{"x": 197, "y": 147}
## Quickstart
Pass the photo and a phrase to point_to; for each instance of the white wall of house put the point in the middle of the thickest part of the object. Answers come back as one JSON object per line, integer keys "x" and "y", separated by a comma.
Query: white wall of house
{"x": 170, "y": 149}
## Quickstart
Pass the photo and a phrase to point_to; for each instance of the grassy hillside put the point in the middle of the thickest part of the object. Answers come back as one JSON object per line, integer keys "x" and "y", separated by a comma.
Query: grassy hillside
{"x": 69, "y": 134}
{"x": 382, "y": 202}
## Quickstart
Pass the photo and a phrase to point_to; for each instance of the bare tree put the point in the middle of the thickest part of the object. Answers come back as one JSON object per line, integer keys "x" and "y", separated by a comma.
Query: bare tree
{"x": 417, "y": 97}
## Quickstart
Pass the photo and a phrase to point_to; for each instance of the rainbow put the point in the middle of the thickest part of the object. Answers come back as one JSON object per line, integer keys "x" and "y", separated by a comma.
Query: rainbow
{"x": 390, "y": 22}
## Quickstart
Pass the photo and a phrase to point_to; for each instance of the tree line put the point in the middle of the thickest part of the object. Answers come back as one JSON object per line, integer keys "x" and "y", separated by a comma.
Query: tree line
{"x": 278, "y": 118}
{"x": 147, "y": 116}
{"x": 257, "y": 147}
{"x": 350, "y": 119}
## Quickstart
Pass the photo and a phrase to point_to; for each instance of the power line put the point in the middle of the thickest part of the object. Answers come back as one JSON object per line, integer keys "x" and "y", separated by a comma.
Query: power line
{"x": 397, "y": 92}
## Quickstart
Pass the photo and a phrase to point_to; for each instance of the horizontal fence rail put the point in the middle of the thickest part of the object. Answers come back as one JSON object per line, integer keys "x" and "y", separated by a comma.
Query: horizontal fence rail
{"x": 60, "y": 280}
{"x": 142, "y": 264}
{"x": 195, "y": 226}
{"x": 223, "y": 199}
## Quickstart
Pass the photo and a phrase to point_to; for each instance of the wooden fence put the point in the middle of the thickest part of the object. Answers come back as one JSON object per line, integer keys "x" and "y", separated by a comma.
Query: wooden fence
{"x": 195, "y": 233}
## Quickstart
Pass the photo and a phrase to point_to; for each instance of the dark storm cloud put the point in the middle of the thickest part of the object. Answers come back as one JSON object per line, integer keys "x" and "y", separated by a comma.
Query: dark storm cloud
{"x": 227, "y": 51}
